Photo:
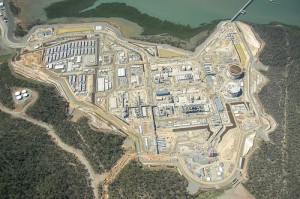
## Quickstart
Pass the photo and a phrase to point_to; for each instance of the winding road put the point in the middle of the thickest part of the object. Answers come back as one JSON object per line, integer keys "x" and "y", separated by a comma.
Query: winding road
{"x": 95, "y": 178}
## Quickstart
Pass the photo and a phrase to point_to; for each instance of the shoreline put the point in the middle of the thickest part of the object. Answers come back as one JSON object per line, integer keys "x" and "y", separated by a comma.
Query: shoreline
{"x": 261, "y": 12}
{"x": 131, "y": 30}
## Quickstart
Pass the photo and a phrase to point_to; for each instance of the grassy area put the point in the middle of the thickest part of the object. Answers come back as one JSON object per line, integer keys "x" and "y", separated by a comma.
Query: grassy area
{"x": 4, "y": 58}
{"x": 74, "y": 29}
{"x": 151, "y": 25}
{"x": 165, "y": 53}
{"x": 214, "y": 194}
{"x": 241, "y": 53}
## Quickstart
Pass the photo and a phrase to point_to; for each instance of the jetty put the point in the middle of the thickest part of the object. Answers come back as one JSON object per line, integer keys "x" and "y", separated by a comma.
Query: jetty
{"x": 241, "y": 11}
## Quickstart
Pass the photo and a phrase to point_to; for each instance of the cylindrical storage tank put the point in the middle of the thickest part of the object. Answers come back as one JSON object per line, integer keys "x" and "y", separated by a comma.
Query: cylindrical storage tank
{"x": 234, "y": 89}
{"x": 17, "y": 93}
{"x": 19, "y": 97}
{"x": 235, "y": 72}
{"x": 25, "y": 94}
{"x": 24, "y": 91}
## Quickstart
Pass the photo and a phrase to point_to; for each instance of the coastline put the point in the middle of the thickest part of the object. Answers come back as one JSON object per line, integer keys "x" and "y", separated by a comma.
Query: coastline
{"x": 131, "y": 29}
{"x": 127, "y": 28}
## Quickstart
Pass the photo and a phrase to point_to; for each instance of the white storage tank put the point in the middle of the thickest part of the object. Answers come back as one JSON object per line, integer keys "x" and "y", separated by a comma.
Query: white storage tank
{"x": 19, "y": 97}
{"x": 234, "y": 89}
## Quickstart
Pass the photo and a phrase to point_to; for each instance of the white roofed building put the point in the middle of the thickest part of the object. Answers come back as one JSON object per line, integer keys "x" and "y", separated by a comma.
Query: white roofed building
{"x": 121, "y": 72}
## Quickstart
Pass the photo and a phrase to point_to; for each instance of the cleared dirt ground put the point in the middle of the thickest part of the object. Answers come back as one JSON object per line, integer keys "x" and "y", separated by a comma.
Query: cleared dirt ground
{"x": 239, "y": 192}
{"x": 74, "y": 29}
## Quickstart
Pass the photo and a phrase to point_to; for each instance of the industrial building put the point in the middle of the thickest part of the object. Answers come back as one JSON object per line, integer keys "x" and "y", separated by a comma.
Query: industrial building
{"x": 70, "y": 49}
{"x": 113, "y": 102}
{"x": 103, "y": 84}
{"x": 208, "y": 68}
{"x": 193, "y": 108}
{"x": 162, "y": 92}
{"x": 121, "y": 72}
{"x": 100, "y": 84}
{"x": 218, "y": 103}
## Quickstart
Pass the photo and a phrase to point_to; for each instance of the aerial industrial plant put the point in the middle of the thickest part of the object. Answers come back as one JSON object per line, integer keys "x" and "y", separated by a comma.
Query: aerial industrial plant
{"x": 193, "y": 110}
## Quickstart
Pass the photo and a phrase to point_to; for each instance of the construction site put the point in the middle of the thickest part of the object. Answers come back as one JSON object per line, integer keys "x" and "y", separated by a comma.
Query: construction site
{"x": 192, "y": 110}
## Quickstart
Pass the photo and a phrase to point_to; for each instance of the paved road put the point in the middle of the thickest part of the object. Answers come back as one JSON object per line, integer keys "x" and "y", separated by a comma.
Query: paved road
{"x": 6, "y": 41}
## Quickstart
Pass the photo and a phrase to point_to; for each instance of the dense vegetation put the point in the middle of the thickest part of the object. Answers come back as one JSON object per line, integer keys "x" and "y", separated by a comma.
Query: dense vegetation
{"x": 14, "y": 9}
{"x": 101, "y": 146}
{"x": 136, "y": 181}
{"x": 151, "y": 25}
{"x": 31, "y": 165}
{"x": 101, "y": 149}
{"x": 274, "y": 169}
{"x": 20, "y": 31}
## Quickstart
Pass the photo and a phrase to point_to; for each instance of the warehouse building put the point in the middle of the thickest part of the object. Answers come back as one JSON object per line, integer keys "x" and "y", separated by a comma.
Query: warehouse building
{"x": 162, "y": 92}
{"x": 121, "y": 72}
{"x": 101, "y": 84}
{"x": 218, "y": 103}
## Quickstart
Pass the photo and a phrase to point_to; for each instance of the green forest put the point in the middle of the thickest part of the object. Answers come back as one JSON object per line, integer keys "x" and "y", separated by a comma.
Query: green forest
{"x": 39, "y": 167}
{"x": 101, "y": 149}
{"x": 151, "y": 25}
{"x": 274, "y": 169}
{"x": 137, "y": 181}
{"x": 32, "y": 166}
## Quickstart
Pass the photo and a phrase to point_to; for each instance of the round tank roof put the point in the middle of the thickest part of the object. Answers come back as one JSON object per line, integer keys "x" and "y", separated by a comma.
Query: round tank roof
{"x": 25, "y": 94}
{"x": 19, "y": 97}
{"x": 24, "y": 91}
{"x": 17, "y": 93}
{"x": 235, "y": 70}
{"x": 233, "y": 87}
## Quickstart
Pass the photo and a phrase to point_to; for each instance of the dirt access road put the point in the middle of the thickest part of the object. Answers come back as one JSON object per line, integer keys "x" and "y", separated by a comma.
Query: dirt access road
{"x": 95, "y": 178}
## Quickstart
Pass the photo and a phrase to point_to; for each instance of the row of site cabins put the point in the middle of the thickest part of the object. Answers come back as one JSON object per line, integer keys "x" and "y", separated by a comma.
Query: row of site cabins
{"x": 69, "y": 49}
{"x": 183, "y": 123}
{"x": 161, "y": 142}
{"x": 81, "y": 82}
{"x": 62, "y": 64}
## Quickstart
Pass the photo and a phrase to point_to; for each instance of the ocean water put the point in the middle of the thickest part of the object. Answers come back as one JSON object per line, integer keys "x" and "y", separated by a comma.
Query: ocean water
{"x": 194, "y": 12}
